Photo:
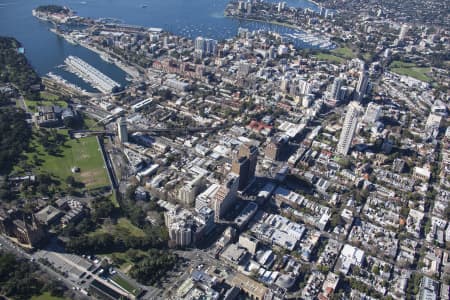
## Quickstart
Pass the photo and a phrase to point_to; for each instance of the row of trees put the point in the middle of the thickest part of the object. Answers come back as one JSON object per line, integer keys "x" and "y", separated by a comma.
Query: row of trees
{"x": 106, "y": 242}
{"x": 52, "y": 9}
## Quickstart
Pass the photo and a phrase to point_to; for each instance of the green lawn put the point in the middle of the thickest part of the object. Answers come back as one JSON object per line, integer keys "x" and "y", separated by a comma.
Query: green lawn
{"x": 46, "y": 296}
{"x": 123, "y": 227}
{"x": 329, "y": 57}
{"x": 410, "y": 69}
{"x": 48, "y": 100}
{"x": 82, "y": 153}
{"x": 401, "y": 64}
{"x": 344, "y": 52}
{"x": 126, "y": 285}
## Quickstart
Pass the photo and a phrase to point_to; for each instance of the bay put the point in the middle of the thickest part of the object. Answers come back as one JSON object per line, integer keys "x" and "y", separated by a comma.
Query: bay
{"x": 190, "y": 18}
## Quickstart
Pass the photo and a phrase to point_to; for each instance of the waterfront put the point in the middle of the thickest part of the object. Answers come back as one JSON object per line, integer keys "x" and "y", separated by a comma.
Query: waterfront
{"x": 46, "y": 51}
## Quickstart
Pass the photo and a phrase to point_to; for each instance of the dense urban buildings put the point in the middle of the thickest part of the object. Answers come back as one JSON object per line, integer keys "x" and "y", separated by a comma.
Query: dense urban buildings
{"x": 304, "y": 156}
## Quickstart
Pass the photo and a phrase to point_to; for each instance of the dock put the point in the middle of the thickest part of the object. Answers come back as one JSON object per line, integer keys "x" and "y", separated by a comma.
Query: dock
{"x": 90, "y": 74}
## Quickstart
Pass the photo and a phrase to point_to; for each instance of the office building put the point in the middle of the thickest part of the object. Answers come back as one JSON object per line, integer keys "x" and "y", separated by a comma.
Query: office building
{"x": 226, "y": 195}
{"x": 244, "y": 164}
{"x": 348, "y": 128}
{"x": 275, "y": 148}
{"x": 240, "y": 166}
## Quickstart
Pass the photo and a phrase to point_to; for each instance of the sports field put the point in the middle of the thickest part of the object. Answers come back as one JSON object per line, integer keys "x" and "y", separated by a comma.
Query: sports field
{"x": 82, "y": 153}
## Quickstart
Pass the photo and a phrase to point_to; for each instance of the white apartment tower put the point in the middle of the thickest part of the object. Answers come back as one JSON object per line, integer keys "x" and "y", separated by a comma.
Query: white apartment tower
{"x": 348, "y": 128}
{"x": 205, "y": 46}
{"x": 403, "y": 32}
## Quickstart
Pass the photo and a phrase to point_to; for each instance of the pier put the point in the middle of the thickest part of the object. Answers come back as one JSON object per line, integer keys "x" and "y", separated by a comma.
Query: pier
{"x": 90, "y": 74}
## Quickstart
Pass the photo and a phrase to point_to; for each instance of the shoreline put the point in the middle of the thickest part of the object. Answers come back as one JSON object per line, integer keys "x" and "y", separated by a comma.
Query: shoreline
{"x": 127, "y": 69}
{"x": 130, "y": 70}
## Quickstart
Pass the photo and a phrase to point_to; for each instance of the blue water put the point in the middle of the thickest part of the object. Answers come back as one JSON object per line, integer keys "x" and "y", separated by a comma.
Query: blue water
{"x": 190, "y": 18}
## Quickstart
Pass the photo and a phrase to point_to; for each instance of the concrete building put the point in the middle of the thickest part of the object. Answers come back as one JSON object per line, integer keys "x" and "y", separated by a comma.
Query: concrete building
{"x": 248, "y": 242}
{"x": 52, "y": 116}
{"x": 403, "y": 32}
{"x": 205, "y": 199}
{"x": 348, "y": 128}
{"x": 246, "y": 215}
{"x": 250, "y": 287}
{"x": 363, "y": 83}
{"x": 422, "y": 174}
{"x": 204, "y": 220}
{"x": 122, "y": 130}
{"x": 429, "y": 289}
{"x": 350, "y": 256}
{"x": 372, "y": 114}
{"x": 336, "y": 88}
{"x": 48, "y": 215}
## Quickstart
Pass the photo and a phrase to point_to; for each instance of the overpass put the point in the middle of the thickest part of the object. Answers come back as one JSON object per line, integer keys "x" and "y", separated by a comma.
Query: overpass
{"x": 180, "y": 130}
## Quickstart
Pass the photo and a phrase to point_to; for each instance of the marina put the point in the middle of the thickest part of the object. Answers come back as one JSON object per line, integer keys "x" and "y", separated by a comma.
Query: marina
{"x": 90, "y": 74}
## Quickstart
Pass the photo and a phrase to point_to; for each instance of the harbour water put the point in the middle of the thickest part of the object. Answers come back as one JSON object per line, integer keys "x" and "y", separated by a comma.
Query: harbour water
{"x": 191, "y": 18}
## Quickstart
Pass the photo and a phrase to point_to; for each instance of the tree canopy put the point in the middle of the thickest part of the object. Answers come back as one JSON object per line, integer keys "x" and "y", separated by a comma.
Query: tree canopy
{"x": 17, "y": 134}
{"x": 14, "y": 68}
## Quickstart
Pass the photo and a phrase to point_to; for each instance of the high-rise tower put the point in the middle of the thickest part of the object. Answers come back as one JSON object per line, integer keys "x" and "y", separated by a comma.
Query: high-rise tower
{"x": 348, "y": 128}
